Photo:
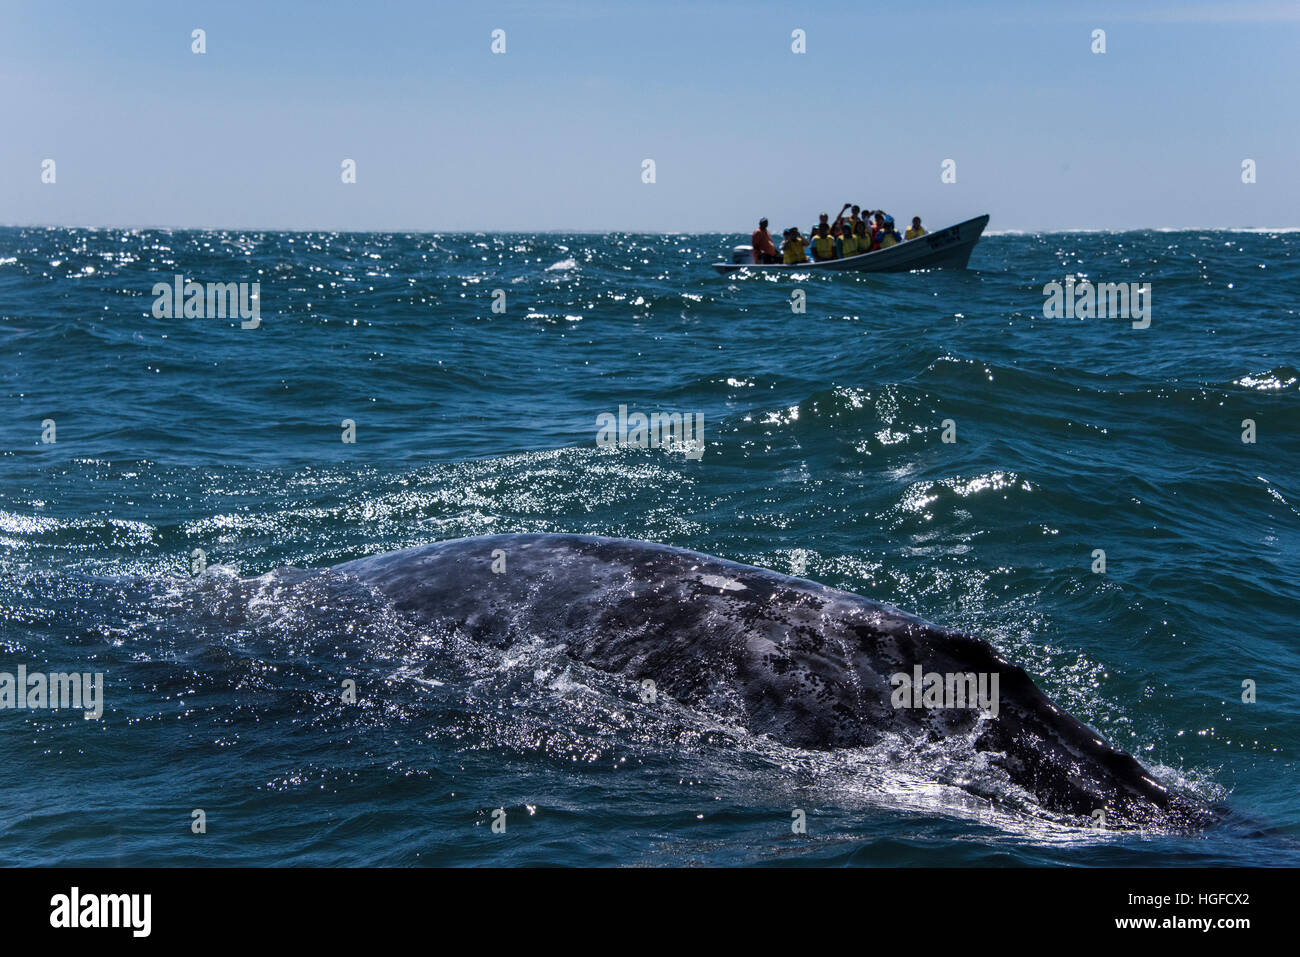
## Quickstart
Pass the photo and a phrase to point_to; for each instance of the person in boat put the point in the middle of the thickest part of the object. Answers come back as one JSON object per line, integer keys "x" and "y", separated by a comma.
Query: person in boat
{"x": 761, "y": 242}
{"x": 823, "y": 244}
{"x": 863, "y": 235}
{"x": 848, "y": 245}
{"x": 916, "y": 231}
{"x": 889, "y": 235}
{"x": 792, "y": 249}
{"x": 824, "y": 219}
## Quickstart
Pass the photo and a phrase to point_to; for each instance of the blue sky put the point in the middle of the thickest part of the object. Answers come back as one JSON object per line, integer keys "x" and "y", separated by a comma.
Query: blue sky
{"x": 551, "y": 135}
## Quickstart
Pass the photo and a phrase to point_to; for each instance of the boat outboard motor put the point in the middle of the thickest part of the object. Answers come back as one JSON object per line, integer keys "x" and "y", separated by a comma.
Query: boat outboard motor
{"x": 742, "y": 254}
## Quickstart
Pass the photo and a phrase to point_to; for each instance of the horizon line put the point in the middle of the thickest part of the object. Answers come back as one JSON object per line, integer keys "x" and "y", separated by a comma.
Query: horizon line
{"x": 1010, "y": 231}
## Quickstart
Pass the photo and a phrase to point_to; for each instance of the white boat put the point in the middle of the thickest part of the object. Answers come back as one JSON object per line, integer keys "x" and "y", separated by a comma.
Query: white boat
{"x": 945, "y": 249}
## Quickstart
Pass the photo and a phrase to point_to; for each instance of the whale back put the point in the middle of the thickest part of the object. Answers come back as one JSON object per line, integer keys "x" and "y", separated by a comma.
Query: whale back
{"x": 808, "y": 665}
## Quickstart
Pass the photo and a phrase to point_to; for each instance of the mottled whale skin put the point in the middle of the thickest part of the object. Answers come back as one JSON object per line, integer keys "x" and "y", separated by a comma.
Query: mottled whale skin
{"x": 805, "y": 664}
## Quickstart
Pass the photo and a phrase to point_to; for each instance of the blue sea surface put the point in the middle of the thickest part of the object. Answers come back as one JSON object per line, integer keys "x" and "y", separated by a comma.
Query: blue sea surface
{"x": 824, "y": 454}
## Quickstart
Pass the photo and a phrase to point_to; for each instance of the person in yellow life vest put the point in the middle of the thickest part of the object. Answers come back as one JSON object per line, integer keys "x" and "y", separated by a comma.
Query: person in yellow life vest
{"x": 837, "y": 230}
{"x": 792, "y": 250}
{"x": 849, "y": 241}
{"x": 823, "y": 244}
{"x": 863, "y": 236}
{"x": 915, "y": 231}
{"x": 889, "y": 235}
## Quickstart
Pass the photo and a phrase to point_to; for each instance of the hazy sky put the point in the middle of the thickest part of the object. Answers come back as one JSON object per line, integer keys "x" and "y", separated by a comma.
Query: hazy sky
{"x": 551, "y": 135}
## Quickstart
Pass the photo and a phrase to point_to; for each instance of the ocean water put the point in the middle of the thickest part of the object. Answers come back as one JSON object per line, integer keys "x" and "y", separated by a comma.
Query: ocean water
{"x": 824, "y": 453}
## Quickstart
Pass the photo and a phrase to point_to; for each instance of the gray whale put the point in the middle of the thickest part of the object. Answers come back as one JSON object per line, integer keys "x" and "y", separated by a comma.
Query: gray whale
{"x": 805, "y": 664}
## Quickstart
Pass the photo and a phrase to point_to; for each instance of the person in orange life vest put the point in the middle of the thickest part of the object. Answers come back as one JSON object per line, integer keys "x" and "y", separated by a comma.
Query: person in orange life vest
{"x": 761, "y": 241}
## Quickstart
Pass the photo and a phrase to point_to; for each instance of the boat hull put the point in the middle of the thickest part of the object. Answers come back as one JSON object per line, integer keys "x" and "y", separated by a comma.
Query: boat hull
{"x": 945, "y": 249}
